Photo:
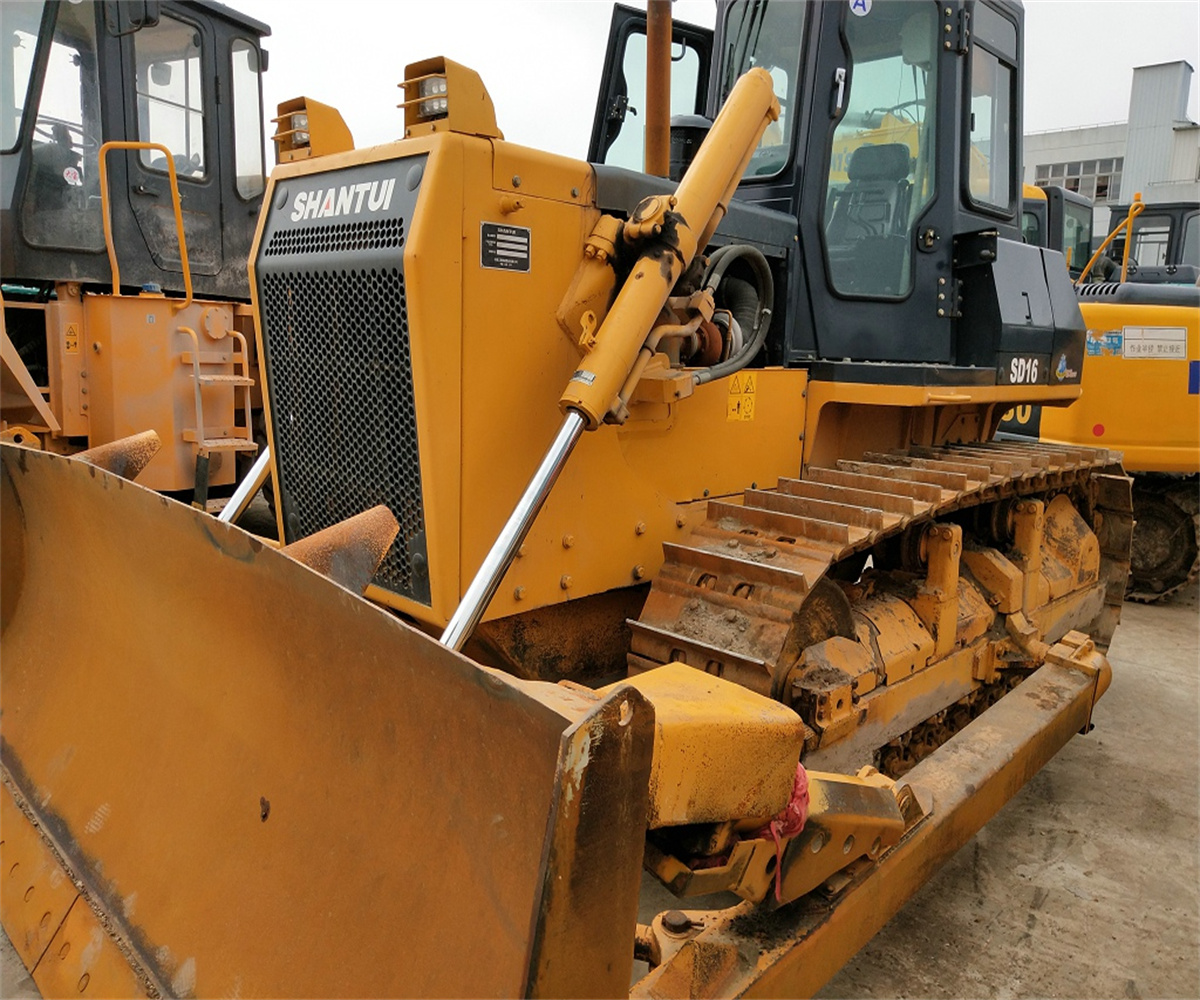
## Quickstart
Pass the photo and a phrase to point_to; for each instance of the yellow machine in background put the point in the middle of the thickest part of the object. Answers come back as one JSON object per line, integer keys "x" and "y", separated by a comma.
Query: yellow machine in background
{"x": 1141, "y": 398}
{"x": 124, "y": 246}
{"x": 691, "y": 556}
{"x": 1062, "y": 220}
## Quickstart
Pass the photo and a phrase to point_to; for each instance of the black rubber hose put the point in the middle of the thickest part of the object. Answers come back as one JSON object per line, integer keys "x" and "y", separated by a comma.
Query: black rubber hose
{"x": 741, "y": 299}
{"x": 751, "y": 308}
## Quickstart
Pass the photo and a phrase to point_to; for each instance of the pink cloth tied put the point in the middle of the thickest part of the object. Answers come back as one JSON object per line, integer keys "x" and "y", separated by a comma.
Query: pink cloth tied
{"x": 788, "y": 824}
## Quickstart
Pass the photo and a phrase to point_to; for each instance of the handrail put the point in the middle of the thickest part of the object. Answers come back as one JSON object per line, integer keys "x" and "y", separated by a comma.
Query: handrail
{"x": 196, "y": 377}
{"x": 1135, "y": 209}
{"x": 241, "y": 339}
{"x": 105, "y": 206}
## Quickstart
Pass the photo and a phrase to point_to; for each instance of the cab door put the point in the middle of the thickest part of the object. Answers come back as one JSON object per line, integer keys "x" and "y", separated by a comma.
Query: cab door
{"x": 879, "y": 194}
{"x": 170, "y": 73}
{"x": 618, "y": 131}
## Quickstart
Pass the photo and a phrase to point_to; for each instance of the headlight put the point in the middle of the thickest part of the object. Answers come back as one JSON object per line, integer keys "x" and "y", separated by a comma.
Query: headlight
{"x": 300, "y": 126}
{"x": 434, "y": 102}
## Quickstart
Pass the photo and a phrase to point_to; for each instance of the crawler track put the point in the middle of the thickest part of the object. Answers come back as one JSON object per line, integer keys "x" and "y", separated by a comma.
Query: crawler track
{"x": 746, "y": 594}
{"x": 1166, "y": 541}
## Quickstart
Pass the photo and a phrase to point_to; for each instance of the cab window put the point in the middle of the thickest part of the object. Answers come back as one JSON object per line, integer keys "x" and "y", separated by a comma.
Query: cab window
{"x": 992, "y": 131}
{"x": 1191, "y": 242}
{"x": 881, "y": 159}
{"x": 1077, "y": 234}
{"x": 247, "y": 119}
{"x": 170, "y": 96}
{"x": 1151, "y": 234}
{"x": 628, "y": 149}
{"x": 769, "y": 36}
{"x": 1031, "y": 229}
{"x": 62, "y": 204}
{"x": 19, "y": 21}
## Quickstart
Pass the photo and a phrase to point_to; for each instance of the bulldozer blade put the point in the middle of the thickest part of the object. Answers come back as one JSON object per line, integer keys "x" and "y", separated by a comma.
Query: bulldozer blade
{"x": 350, "y": 551}
{"x": 125, "y": 457}
{"x": 242, "y": 779}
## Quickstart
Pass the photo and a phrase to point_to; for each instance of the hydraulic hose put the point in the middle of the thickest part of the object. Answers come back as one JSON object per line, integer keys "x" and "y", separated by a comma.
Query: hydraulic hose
{"x": 741, "y": 299}
{"x": 751, "y": 310}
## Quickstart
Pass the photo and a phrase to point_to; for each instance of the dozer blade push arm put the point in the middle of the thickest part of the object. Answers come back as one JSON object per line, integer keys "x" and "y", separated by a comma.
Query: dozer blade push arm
{"x": 670, "y": 230}
{"x": 793, "y": 951}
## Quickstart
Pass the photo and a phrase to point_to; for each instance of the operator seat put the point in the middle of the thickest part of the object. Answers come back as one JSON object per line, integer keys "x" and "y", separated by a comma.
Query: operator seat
{"x": 867, "y": 229}
{"x": 875, "y": 201}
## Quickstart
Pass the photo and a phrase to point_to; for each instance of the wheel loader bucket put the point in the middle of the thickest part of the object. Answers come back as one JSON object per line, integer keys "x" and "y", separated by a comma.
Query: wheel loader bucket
{"x": 226, "y": 774}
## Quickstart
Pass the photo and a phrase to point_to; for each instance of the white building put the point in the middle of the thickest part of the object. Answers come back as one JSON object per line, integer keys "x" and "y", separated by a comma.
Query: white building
{"x": 1156, "y": 152}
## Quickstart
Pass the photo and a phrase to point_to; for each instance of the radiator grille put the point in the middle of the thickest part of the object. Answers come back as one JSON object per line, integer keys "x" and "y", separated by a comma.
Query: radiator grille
{"x": 343, "y": 237}
{"x": 343, "y": 413}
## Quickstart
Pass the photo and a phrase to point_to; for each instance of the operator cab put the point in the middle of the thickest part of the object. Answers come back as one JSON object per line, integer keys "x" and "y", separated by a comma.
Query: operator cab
{"x": 186, "y": 75}
{"x": 1061, "y": 219}
{"x": 887, "y": 196}
{"x": 1165, "y": 248}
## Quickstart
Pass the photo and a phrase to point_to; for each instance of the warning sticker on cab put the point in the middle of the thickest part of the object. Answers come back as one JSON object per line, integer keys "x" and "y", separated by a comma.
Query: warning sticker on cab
{"x": 71, "y": 338}
{"x": 740, "y": 404}
{"x": 1168, "y": 342}
{"x": 503, "y": 248}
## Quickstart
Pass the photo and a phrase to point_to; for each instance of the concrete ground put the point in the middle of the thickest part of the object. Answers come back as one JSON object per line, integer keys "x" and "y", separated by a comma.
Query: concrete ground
{"x": 1087, "y": 884}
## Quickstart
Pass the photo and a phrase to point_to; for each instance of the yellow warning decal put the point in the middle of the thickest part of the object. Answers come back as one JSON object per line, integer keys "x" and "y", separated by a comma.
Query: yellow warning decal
{"x": 740, "y": 404}
{"x": 72, "y": 338}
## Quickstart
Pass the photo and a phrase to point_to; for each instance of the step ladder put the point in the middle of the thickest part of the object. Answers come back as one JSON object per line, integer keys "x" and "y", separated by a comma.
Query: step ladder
{"x": 206, "y": 439}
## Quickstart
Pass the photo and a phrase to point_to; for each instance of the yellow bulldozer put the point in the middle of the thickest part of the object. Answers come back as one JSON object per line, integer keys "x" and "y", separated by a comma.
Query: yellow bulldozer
{"x": 131, "y": 152}
{"x": 691, "y": 566}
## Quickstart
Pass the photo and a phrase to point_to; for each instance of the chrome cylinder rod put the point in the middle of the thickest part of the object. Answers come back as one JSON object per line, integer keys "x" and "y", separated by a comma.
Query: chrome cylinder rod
{"x": 483, "y": 588}
{"x": 247, "y": 487}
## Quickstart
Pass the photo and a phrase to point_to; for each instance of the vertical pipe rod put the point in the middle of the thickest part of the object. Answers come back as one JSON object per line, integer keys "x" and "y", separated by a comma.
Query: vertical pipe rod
{"x": 658, "y": 88}
{"x": 487, "y": 579}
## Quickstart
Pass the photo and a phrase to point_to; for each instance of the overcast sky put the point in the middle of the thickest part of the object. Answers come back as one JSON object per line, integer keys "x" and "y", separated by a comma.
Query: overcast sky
{"x": 541, "y": 59}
